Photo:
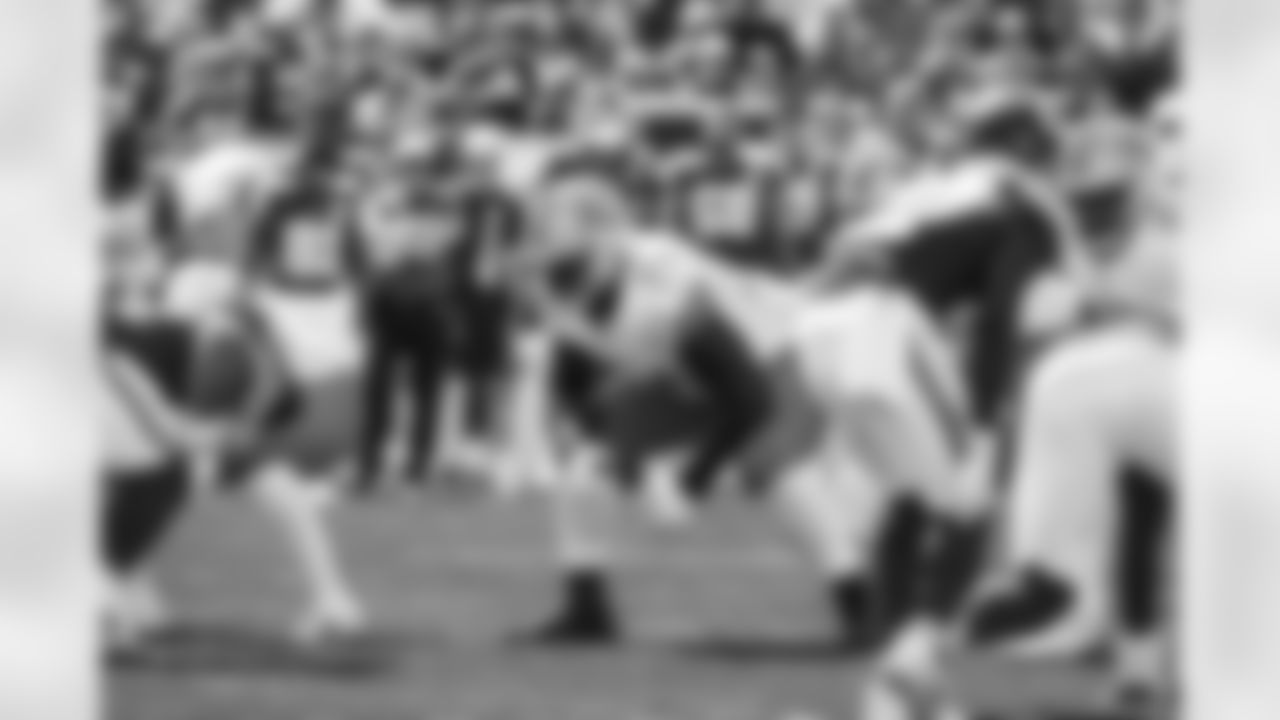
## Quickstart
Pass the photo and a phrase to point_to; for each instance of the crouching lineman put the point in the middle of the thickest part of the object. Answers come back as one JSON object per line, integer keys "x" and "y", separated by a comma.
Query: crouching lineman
{"x": 153, "y": 444}
{"x": 652, "y": 360}
{"x": 1093, "y": 468}
{"x": 276, "y": 354}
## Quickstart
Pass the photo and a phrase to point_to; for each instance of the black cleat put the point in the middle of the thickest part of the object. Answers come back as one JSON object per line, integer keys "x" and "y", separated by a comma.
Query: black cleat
{"x": 577, "y": 630}
{"x": 587, "y": 616}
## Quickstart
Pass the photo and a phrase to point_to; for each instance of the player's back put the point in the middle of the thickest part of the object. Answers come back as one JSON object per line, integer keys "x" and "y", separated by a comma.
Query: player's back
{"x": 955, "y": 251}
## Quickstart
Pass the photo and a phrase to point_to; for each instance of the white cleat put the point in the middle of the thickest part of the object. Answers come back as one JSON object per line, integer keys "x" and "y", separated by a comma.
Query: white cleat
{"x": 329, "y": 621}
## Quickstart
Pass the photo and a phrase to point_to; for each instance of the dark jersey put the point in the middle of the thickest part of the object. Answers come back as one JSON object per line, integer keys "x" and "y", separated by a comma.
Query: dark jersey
{"x": 982, "y": 256}
{"x": 163, "y": 349}
{"x": 956, "y": 260}
{"x": 1137, "y": 80}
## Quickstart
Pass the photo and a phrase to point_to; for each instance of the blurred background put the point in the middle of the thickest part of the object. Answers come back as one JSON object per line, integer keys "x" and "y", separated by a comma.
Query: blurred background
{"x": 755, "y": 125}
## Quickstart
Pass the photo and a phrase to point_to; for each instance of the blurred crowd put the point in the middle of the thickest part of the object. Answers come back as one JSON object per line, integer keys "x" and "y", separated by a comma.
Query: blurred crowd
{"x": 756, "y": 125}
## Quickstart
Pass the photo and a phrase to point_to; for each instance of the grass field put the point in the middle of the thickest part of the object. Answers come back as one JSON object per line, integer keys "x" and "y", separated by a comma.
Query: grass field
{"x": 727, "y": 623}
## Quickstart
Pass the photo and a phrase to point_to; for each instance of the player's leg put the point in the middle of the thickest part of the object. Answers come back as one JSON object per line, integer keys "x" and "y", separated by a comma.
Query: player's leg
{"x": 1086, "y": 403}
{"x": 301, "y": 506}
{"x": 1148, "y": 508}
{"x": 1143, "y": 661}
{"x": 378, "y": 408}
{"x": 140, "y": 510}
{"x": 584, "y": 517}
{"x": 1057, "y": 522}
{"x": 837, "y": 506}
{"x": 530, "y": 438}
{"x": 427, "y": 376}
{"x": 935, "y": 543}
{"x": 861, "y": 358}
{"x": 296, "y": 485}
{"x": 723, "y": 366}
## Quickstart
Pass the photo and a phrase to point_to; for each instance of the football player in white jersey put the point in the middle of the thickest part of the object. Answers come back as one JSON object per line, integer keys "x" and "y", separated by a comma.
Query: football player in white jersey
{"x": 630, "y": 312}
{"x": 302, "y": 309}
{"x": 653, "y": 325}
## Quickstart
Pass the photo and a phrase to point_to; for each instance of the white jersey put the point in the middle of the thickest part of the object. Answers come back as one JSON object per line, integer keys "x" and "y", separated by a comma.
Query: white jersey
{"x": 1144, "y": 278}
{"x": 197, "y": 289}
{"x": 661, "y": 279}
{"x": 317, "y": 332}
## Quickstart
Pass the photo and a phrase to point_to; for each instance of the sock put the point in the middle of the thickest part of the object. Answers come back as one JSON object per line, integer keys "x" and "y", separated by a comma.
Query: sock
{"x": 899, "y": 556}
{"x": 1141, "y": 577}
{"x": 953, "y": 567}
{"x": 852, "y": 599}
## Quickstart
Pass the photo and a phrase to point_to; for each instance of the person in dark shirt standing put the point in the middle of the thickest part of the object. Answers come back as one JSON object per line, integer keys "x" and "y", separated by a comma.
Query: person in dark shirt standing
{"x": 411, "y": 318}
{"x": 490, "y": 223}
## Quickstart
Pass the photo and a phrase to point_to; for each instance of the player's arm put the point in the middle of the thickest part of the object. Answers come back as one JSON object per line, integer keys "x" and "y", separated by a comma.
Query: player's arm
{"x": 859, "y": 245}
{"x": 162, "y": 417}
{"x": 1072, "y": 249}
{"x": 532, "y": 279}
{"x": 273, "y": 396}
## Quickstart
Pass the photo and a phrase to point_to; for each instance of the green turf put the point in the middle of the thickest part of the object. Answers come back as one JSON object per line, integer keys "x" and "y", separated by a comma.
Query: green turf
{"x": 727, "y": 623}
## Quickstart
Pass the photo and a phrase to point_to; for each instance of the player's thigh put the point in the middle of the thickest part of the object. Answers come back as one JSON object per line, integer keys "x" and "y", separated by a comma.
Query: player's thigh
{"x": 1061, "y": 495}
{"x": 1119, "y": 381}
{"x": 833, "y": 495}
{"x": 326, "y": 432}
{"x": 1143, "y": 417}
{"x": 895, "y": 431}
